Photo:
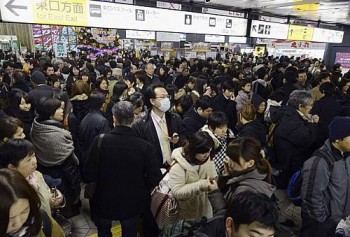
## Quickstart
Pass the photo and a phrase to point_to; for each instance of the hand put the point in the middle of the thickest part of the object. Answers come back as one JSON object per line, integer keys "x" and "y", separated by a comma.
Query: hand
{"x": 213, "y": 185}
{"x": 208, "y": 91}
{"x": 175, "y": 138}
{"x": 55, "y": 201}
{"x": 315, "y": 118}
{"x": 226, "y": 166}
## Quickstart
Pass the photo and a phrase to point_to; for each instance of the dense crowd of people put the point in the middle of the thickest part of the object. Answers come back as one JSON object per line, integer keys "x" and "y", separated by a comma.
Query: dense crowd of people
{"x": 229, "y": 131}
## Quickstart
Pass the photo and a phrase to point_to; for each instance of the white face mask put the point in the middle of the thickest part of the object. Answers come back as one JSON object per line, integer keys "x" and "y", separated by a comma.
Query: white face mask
{"x": 164, "y": 104}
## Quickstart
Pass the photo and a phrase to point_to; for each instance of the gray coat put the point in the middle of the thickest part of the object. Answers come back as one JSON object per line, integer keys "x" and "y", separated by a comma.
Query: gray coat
{"x": 325, "y": 193}
{"x": 252, "y": 181}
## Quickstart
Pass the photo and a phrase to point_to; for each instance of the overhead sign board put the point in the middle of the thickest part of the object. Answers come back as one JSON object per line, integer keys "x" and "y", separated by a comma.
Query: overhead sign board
{"x": 222, "y": 12}
{"x": 170, "y": 37}
{"x": 121, "y": 16}
{"x": 274, "y": 19}
{"x": 235, "y": 39}
{"x": 137, "y": 34}
{"x": 145, "y": 18}
{"x": 270, "y": 30}
{"x": 328, "y": 36}
{"x": 169, "y": 5}
{"x": 215, "y": 38}
{"x": 125, "y": 1}
{"x": 303, "y": 33}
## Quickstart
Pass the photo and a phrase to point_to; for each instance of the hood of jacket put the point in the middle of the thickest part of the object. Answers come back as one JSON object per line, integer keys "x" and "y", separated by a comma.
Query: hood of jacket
{"x": 245, "y": 96}
{"x": 253, "y": 180}
{"x": 206, "y": 129}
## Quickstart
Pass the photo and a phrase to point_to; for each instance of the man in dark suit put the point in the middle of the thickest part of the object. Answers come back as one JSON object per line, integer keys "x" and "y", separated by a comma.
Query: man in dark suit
{"x": 224, "y": 102}
{"x": 93, "y": 124}
{"x": 125, "y": 171}
{"x": 40, "y": 90}
{"x": 150, "y": 77}
{"x": 197, "y": 116}
{"x": 162, "y": 128}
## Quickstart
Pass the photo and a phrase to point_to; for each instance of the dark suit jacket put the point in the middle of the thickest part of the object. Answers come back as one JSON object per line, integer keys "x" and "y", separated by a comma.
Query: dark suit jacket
{"x": 144, "y": 128}
{"x": 125, "y": 170}
{"x": 221, "y": 104}
{"x": 93, "y": 124}
{"x": 193, "y": 122}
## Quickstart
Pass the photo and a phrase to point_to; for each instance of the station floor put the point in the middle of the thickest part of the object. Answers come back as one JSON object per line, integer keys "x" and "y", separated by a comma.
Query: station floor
{"x": 82, "y": 226}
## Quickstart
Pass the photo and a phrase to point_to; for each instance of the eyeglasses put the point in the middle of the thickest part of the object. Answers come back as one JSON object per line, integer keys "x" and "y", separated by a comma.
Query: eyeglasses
{"x": 163, "y": 97}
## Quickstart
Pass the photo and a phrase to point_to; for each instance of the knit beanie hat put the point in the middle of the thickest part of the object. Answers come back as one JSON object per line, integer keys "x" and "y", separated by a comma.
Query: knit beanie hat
{"x": 339, "y": 128}
{"x": 38, "y": 78}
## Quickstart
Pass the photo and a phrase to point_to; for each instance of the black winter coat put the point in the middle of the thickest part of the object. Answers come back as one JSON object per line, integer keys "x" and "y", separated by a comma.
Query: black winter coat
{"x": 125, "y": 170}
{"x": 193, "y": 122}
{"x": 326, "y": 108}
{"x": 92, "y": 125}
{"x": 80, "y": 108}
{"x": 144, "y": 128}
{"x": 292, "y": 143}
{"x": 254, "y": 129}
{"x": 221, "y": 104}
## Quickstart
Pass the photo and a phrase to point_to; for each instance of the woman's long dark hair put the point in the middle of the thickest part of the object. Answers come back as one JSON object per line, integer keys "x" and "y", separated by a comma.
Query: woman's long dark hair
{"x": 14, "y": 186}
{"x": 249, "y": 149}
{"x": 199, "y": 143}
{"x": 14, "y": 102}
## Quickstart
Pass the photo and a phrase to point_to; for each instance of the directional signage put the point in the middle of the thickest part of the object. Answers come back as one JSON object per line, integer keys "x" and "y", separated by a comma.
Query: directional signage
{"x": 136, "y": 34}
{"x": 328, "y": 36}
{"x": 303, "y": 33}
{"x": 145, "y": 18}
{"x": 121, "y": 16}
{"x": 215, "y": 38}
{"x": 234, "y": 39}
{"x": 270, "y": 30}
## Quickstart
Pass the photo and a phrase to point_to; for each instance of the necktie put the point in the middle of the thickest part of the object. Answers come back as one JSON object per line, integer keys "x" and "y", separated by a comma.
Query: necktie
{"x": 165, "y": 141}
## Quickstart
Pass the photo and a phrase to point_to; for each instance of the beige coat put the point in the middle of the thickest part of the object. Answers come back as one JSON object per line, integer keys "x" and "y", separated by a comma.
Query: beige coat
{"x": 189, "y": 186}
{"x": 56, "y": 230}
{"x": 43, "y": 192}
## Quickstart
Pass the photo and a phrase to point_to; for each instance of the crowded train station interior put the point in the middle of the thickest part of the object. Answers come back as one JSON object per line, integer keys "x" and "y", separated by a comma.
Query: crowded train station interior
{"x": 146, "y": 118}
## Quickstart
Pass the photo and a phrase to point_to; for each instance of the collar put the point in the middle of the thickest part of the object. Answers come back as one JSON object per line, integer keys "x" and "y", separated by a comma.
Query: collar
{"x": 338, "y": 153}
{"x": 225, "y": 96}
{"x": 157, "y": 118}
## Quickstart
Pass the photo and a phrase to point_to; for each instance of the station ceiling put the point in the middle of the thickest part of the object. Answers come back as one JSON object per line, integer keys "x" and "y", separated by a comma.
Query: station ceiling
{"x": 330, "y": 11}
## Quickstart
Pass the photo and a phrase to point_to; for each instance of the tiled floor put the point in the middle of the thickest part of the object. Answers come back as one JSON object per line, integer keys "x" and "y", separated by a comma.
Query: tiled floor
{"x": 82, "y": 226}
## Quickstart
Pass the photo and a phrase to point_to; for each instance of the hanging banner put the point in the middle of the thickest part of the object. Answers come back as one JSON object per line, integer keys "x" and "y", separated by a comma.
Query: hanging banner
{"x": 60, "y": 49}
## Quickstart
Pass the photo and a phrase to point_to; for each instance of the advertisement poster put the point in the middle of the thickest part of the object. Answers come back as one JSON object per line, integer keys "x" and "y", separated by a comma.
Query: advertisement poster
{"x": 344, "y": 60}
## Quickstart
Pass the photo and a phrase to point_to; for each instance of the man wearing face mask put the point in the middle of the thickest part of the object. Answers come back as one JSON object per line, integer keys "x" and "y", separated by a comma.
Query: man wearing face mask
{"x": 159, "y": 126}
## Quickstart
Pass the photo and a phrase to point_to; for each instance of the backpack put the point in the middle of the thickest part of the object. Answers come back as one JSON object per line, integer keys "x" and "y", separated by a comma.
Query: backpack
{"x": 189, "y": 227}
{"x": 295, "y": 182}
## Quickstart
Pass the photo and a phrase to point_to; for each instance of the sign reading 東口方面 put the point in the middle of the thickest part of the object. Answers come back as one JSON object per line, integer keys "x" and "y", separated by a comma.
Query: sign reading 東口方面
{"x": 121, "y": 16}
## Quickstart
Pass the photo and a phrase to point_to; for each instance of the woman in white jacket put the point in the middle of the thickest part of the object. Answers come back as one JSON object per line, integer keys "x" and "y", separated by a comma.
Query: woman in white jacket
{"x": 191, "y": 176}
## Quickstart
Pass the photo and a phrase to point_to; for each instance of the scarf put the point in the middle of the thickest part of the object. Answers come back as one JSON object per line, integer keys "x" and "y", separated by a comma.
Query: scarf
{"x": 53, "y": 145}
